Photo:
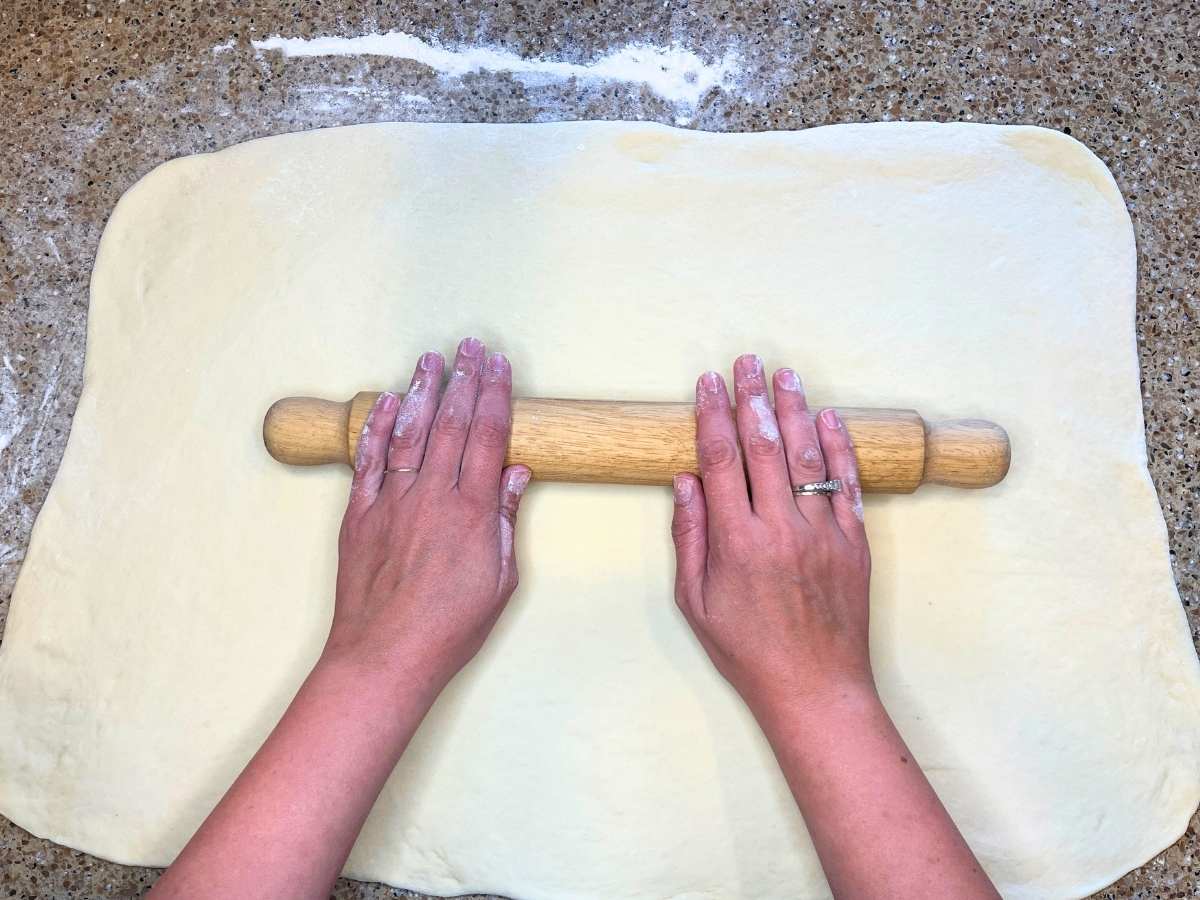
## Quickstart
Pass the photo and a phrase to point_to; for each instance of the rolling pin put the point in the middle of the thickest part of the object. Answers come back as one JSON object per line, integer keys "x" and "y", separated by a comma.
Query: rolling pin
{"x": 619, "y": 442}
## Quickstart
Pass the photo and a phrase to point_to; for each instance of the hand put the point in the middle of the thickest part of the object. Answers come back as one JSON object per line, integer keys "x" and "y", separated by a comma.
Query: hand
{"x": 426, "y": 560}
{"x": 774, "y": 586}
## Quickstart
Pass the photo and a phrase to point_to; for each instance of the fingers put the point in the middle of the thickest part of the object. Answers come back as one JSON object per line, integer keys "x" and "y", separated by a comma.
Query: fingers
{"x": 689, "y": 530}
{"x": 488, "y": 439}
{"x": 726, "y": 498}
{"x": 838, "y": 449}
{"x": 801, "y": 445}
{"x": 513, "y": 482}
{"x": 406, "y": 449}
{"x": 371, "y": 456}
{"x": 770, "y": 489}
{"x": 448, "y": 434}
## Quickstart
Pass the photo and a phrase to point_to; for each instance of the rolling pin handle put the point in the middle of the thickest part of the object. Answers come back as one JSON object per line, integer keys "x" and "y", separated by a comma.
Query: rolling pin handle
{"x": 307, "y": 431}
{"x": 966, "y": 453}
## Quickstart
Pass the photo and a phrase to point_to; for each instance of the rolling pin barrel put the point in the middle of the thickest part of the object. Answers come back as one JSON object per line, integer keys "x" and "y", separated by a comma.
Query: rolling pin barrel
{"x": 648, "y": 443}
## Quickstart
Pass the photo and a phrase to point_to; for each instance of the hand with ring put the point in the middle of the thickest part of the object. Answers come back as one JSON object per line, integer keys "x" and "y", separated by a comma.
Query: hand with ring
{"x": 772, "y": 574}
{"x": 426, "y": 557}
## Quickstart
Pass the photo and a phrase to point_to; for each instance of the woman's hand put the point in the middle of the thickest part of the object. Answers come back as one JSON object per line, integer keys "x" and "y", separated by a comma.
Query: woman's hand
{"x": 426, "y": 566}
{"x": 426, "y": 560}
{"x": 774, "y": 586}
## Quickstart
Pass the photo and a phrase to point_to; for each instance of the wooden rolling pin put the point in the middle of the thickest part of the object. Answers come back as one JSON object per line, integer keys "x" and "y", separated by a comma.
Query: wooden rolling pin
{"x": 647, "y": 443}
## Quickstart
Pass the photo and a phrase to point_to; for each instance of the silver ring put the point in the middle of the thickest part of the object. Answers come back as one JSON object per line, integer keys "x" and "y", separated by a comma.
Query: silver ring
{"x": 818, "y": 488}
{"x": 404, "y": 469}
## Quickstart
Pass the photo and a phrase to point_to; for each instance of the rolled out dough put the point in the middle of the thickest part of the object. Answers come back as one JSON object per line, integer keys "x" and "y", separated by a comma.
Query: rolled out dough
{"x": 1028, "y": 639}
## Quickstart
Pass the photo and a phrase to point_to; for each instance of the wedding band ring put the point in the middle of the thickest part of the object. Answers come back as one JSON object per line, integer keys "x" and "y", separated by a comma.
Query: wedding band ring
{"x": 818, "y": 488}
{"x": 403, "y": 469}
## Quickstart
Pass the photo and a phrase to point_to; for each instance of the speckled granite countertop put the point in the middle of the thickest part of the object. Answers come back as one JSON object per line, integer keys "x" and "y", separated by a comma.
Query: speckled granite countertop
{"x": 94, "y": 95}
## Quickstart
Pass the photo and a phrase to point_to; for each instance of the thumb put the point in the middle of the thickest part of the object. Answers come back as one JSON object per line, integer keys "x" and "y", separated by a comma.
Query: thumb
{"x": 513, "y": 481}
{"x": 689, "y": 530}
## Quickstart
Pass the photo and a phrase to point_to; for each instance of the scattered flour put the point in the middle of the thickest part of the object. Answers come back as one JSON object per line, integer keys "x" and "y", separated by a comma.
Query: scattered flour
{"x": 675, "y": 74}
{"x": 12, "y": 419}
{"x": 344, "y": 98}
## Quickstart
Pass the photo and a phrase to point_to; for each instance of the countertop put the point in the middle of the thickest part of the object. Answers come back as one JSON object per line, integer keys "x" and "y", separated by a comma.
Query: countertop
{"x": 94, "y": 95}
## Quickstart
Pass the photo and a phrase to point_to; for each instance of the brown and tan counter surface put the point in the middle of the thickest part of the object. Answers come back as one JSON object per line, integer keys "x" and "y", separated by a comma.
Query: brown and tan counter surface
{"x": 94, "y": 95}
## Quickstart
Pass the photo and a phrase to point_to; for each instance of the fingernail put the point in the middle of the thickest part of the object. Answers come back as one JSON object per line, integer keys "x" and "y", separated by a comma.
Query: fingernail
{"x": 423, "y": 377}
{"x": 387, "y": 398}
{"x": 750, "y": 365}
{"x": 467, "y": 359}
{"x": 831, "y": 418}
{"x": 496, "y": 364}
{"x": 518, "y": 480}
{"x": 789, "y": 380}
{"x": 682, "y": 486}
{"x": 710, "y": 382}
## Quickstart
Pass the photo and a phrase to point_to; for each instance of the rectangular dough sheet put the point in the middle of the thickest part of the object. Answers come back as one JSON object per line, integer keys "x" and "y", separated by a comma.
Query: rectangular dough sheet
{"x": 1028, "y": 639}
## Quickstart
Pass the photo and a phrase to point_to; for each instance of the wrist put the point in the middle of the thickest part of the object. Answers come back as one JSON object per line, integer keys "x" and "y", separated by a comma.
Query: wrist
{"x": 817, "y": 707}
{"x": 395, "y": 680}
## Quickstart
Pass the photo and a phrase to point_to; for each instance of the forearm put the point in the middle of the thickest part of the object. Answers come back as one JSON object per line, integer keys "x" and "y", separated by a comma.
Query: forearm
{"x": 875, "y": 821}
{"x": 286, "y": 826}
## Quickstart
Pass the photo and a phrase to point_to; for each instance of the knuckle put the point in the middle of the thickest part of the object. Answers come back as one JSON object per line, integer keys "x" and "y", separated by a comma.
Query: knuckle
{"x": 682, "y": 528}
{"x": 491, "y": 432}
{"x": 408, "y": 438}
{"x": 717, "y": 453}
{"x": 763, "y": 446}
{"x": 807, "y": 459}
{"x": 366, "y": 454}
{"x": 837, "y": 438}
{"x": 451, "y": 424}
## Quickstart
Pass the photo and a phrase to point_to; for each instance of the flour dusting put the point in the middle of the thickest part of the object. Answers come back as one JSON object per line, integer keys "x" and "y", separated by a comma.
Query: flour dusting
{"x": 676, "y": 74}
{"x": 768, "y": 430}
{"x": 859, "y": 513}
{"x": 12, "y": 420}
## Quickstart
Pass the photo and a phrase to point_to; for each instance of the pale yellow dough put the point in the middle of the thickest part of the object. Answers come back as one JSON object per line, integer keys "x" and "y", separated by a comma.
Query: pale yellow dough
{"x": 1028, "y": 639}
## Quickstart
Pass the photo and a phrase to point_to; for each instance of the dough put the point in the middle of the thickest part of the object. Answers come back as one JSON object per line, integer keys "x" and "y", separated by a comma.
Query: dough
{"x": 1028, "y": 639}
